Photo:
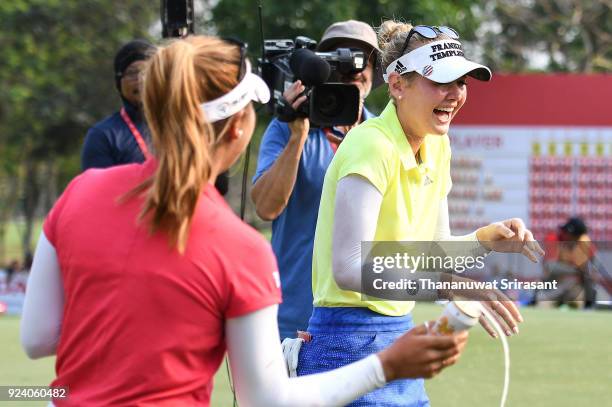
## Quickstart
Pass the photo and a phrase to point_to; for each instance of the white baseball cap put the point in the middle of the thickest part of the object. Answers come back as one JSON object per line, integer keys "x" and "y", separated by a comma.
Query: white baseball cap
{"x": 439, "y": 61}
{"x": 250, "y": 88}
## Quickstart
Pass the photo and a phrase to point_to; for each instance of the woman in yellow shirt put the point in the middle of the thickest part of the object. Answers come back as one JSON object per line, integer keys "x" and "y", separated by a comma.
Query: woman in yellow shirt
{"x": 388, "y": 182}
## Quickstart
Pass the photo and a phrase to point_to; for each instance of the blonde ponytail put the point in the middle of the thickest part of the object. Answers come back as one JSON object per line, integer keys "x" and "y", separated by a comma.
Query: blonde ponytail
{"x": 180, "y": 77}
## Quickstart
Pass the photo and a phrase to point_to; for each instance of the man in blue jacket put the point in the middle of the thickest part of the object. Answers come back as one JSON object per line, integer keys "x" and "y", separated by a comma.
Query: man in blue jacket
{"x": 123, "y": 137}
{"x": 293, "y": 158}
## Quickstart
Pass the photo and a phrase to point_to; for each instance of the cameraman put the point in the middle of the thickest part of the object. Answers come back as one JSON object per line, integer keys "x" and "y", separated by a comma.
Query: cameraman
{"x": 293, "y": 159}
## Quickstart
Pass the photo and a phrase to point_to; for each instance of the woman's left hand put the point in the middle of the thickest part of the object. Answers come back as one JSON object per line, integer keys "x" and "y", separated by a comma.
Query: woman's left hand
{"x": 510, "y": 236}
{"x": 499, "y": 305}
{"x": 505, "y": 313}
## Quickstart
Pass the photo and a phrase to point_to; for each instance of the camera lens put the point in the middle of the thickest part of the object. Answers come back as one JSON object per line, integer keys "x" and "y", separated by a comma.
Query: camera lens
{"x": 331, "y": 102}
{"x": 334, "y": 104}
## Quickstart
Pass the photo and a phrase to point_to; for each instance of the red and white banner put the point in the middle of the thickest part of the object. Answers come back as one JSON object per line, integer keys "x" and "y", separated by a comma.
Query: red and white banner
{"x": 537, "y": 147}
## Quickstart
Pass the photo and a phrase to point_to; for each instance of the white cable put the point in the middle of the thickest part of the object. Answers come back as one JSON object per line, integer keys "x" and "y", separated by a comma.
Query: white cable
{"x": 506, "y": 348}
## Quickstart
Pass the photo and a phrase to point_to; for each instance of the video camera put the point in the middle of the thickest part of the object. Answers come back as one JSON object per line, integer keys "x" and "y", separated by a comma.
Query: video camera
{"x": 328, "y": 103}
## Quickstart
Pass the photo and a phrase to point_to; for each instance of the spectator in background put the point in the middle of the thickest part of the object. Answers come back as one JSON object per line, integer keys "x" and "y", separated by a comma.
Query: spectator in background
{"x": 293, "y": 159}
{"x": 14, "y": 277}
{"x": 27, "y": 262}
{"x": 576, "y": 230}
{"x": 3, "y": 281}
{"x": 123, "y": 137}
{"x": 570, "y": 267}
{"x": 11, "y": 269}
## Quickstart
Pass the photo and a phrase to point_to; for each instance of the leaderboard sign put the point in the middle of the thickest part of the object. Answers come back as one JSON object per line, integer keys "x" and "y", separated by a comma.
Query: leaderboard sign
{"x": 537, "y": 147}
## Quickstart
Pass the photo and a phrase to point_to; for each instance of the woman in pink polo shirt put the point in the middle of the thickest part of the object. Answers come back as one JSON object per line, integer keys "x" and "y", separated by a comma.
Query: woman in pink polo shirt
{"x": 143, "y": 276}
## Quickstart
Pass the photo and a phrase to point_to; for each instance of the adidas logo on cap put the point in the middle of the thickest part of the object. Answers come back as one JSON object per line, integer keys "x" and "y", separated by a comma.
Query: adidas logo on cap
{"x": 400, "y": 68}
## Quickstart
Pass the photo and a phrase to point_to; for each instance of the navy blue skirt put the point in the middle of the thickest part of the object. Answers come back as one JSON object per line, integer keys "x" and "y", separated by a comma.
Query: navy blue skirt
{"x": 343, "y": 335}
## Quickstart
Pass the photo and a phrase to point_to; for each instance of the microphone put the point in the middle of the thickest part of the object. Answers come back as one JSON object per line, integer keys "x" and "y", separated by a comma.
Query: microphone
{"x": 308, "y": 67}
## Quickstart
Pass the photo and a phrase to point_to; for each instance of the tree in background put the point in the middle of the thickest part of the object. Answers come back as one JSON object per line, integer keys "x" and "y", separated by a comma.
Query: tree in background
{"x": 56, "y": 80}
{"x": 287, "y": 19}
{"x": 548, "y": 35}
{"x": 510, "y": 35}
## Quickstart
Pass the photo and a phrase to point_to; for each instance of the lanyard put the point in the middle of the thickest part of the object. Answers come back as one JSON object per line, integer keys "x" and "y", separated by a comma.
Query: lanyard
{"x": 331, "y": 138}
{"x": 135, "y": 133}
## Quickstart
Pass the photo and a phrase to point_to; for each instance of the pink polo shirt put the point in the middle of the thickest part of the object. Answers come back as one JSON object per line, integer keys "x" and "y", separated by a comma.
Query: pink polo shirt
{"x": 142, "y": 324}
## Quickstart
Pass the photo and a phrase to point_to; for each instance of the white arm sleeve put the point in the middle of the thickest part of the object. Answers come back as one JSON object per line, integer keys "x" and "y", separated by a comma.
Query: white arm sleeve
{"x": 443, "y": 231}
{"x": 44, "y": 303}
{"x": 355, "y": 218}
{"x": 260, "y": 375}
{"x": 443, "y": 234}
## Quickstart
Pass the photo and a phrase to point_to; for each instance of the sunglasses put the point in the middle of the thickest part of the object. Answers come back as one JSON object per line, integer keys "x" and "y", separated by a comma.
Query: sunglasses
{"x": 429, "y": 31}
{"x": 243, "y": 46}
{"x": 132, "y": 74}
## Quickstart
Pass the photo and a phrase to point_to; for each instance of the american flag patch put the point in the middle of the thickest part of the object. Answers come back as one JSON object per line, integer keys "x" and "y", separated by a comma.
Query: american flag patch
{"x": 428, "y": 70}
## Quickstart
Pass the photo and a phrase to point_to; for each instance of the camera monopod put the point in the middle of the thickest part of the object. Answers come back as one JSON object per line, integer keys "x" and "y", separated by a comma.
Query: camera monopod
{"x": 176, "y": 18}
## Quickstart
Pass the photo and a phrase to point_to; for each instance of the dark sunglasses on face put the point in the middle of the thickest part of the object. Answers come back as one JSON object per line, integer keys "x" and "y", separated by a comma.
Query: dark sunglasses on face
{"x": 430, "y": 32}
{"x": 132, "y": 74}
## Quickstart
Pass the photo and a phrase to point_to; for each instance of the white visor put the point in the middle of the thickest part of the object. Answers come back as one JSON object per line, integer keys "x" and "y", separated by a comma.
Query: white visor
{"x": 250, "y": 88}
{"x": 440, "y": 61}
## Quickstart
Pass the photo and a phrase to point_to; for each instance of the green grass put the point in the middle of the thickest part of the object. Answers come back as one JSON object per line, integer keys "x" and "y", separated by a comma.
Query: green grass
{"x": 560, "y": 358}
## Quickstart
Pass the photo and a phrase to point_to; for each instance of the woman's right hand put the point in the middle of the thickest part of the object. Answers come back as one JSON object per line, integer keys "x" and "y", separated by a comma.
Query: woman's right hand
{"x": 418, "y": 354}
